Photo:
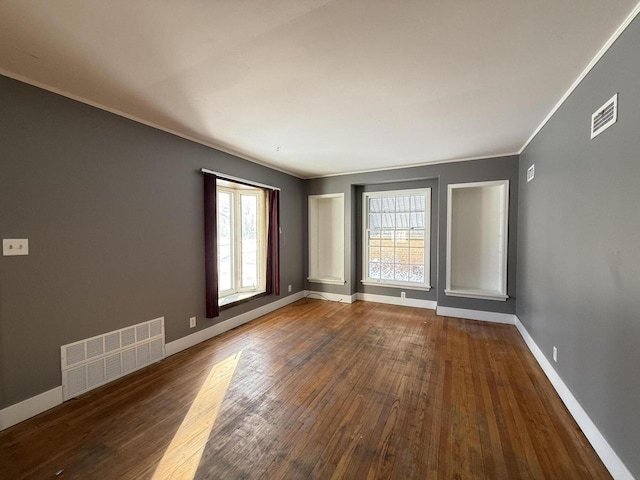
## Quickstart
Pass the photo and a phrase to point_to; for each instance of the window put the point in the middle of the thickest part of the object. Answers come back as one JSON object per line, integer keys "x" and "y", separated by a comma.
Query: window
{"x": 396, "y": 238}
{"x": 241, "y": 241}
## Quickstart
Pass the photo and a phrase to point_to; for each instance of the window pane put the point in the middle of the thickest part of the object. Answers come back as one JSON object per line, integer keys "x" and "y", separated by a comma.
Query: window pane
{"x": 374, "y": 254}
{"x": 417, "y": 220}
{"x": 374, "y": 270}
{"x": 374, "y": 205}
{"x": 402, "y": 238}
{"x": 417, "y": 203}
{"x": 417, "y": 273}
{"x": 402, "y": 204}
{"x": 388, "y": 204}
{"x": 417, "y": 256}
{"x": 225, "y": 239}
{"x": 402, "y": 220}
{"x": 402, "y": 273}
{"x": 387, "y": 254}
{"x": 374, "y": 238}
{"x": 388, "y": 220}
{"x": 375, "y": 221}
{"x": 417, "y": 238}
{"x": 387, "y": 271}
{"x": 402, "y": 255}
{"x": 225, "y": 268}
{"x": 249, "y": 232}
{"x": 224, "y": 218}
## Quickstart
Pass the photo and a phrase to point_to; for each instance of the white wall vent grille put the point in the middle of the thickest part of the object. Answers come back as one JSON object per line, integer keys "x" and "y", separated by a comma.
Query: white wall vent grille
{"x": 89, "y": 363}
{"x": 604, "y": 117}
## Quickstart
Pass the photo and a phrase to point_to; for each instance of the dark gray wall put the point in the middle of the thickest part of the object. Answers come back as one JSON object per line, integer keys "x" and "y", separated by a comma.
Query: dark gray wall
{"x": 579, "y": 247}
{"x": 439, "y": 176}
{"x": 114, "y": 216}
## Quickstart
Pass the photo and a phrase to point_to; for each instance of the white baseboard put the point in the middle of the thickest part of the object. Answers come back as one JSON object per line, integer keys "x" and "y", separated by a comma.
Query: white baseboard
{"x": 219, "y": 328}
{"x": 616, "y": 468}
{"x": 30, "y": 407}
{"x": 406, "y": 302}
{"x": 332, "y": 297}
{"x": 507, "y": 318}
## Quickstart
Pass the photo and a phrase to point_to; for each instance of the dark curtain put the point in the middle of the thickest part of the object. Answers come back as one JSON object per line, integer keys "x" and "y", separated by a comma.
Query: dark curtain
{"x": 211, "y": 245}
{"x": 273, "y": 244}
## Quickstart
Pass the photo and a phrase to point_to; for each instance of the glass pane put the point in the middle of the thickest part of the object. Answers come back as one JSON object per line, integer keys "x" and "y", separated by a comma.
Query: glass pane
{"x": 417, "y": 220}
{"x": 416, "y": 274}
{"x": 374, "y": 270}
{"x": 388, "y": 204}
{"x": 224, "y": 218}
{"x": 402, "y": 220}
{"x": 374, "y": 254}
{"x": 402, "y": 204}
{"x": 416, "y": 256}
{"x": 249, "y": 206}
{"x": 374, "y": 205}
{"x": 417, "y": 238}
{"x": 375, "y": 221}
{"x": 402, "y": 238}
{"x": 249, "y": 270}
{"x": 417, "y": 203}
{"x": 387, "y": 271}
{"x": 402, "y": 255}
{"x": 225, "y": 268}
{"x": 402, "y": 273}
{"x": 387, "y": 254}
{"x": 249, "y": 232}
{"x": 388, "y": 220}
{"x": 374, "y": 238}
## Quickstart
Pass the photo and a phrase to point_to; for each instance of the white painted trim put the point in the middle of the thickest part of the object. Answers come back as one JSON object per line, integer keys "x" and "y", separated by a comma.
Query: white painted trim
{"x": 331, "y": 297}
{"x": 389, "y": 300}
{"x": 229, "y": 324}
{"x": 30, "y": 407}
{"x": 91, "y": 103}
{"x": 494, "y": 317}
{"x": 627, "y": 21}
{"x": 413, "y": 165}
{"x": 475, "y": 294}
{"x": 398, "y": 286}
{"x": 328, "y": 281}
{"x": 616, "y": 467}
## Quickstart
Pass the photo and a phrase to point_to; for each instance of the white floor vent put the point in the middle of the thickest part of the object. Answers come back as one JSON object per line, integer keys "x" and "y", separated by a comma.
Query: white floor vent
{"x": 89, "y": 363}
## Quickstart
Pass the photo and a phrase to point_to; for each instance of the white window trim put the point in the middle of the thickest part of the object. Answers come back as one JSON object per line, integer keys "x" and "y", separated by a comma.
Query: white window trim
{"x": 426, "y": 286}
{"x": 236, "y": 240}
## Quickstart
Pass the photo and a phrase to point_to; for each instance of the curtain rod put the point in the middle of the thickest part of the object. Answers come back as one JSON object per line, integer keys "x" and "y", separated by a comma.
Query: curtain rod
{"x": 224, "y": 176}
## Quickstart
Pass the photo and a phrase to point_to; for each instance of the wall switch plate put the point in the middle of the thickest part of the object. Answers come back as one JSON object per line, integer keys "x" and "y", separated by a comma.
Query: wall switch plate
{"x": 192, "y": 322}
{"x": 555, "y": 354}
{"x": 403, "y": 294}
{"x": 531, "y": 172}
{"x": 15, "y": 246}
{"x": 289, "y": 287}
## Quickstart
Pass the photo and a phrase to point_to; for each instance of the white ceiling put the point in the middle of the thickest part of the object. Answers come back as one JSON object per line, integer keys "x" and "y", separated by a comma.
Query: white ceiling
{"x": 317, "y": 87}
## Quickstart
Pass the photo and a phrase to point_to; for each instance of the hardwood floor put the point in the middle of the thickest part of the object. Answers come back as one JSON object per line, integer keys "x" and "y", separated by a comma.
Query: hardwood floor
{"x": 319, "y": 390}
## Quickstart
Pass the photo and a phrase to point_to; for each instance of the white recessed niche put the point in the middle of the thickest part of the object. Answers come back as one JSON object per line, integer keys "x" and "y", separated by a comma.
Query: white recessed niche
{"x": 326, "y": 238}
{"x": 477, "y": 228}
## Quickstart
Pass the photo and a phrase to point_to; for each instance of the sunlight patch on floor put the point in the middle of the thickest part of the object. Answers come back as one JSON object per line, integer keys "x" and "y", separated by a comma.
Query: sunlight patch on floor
{"x": 183, "y": 455}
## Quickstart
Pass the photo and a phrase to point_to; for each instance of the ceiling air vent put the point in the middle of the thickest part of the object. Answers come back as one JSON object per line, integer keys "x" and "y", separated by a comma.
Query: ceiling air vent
{"x": 604, "y": 117}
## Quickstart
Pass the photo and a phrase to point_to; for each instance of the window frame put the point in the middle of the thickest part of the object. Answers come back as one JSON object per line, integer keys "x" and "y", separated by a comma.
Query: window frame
{"x": 366, "y": 280}
{"x": 236, "y": 241}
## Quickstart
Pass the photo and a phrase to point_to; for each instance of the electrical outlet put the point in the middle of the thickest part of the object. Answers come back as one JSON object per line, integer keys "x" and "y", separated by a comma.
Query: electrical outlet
{"x": 192, "y": 322}
{"x": 289, "y": 287}
{"x": 403, "y": 294}
{"x": 15, "y": 246}
{"x": 555, "y": 354}
{"x": 531, "y": 173}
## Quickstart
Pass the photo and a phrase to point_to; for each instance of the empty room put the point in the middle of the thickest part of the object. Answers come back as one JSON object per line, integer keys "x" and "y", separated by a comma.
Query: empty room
{"x": 319, "y": 239}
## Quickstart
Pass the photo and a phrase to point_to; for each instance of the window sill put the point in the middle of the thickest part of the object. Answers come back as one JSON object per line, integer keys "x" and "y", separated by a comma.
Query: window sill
{"x": 328, "y": 280}
{"x": 238, "y": 298}
{"x": 424, "y": 288}
{"x": 477, "y": 293}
